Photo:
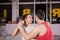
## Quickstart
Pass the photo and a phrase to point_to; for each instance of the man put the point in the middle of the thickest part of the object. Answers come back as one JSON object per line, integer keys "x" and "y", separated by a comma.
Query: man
{"x": 42, "y": 31}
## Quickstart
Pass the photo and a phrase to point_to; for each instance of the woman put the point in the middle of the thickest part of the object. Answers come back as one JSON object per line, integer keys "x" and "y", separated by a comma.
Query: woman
{"x": 27, "y": 25}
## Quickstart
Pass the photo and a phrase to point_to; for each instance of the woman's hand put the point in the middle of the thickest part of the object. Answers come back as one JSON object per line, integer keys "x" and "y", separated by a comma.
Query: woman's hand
{"x": 20, "y": 24}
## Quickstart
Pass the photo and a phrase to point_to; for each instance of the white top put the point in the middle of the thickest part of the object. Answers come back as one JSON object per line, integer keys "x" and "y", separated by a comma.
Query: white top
{"x": 29, "y": 29}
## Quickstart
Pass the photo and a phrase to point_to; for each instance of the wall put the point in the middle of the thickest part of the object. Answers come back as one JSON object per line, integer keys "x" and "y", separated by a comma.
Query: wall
{"x": 9, "y": 28}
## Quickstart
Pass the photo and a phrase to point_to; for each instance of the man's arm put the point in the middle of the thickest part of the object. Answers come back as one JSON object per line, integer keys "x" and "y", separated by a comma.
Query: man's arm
{"x": 30, "y": 35}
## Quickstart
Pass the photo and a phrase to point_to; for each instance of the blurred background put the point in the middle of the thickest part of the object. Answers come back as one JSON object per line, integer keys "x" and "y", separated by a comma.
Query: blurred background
{"x": 12, "y": 10}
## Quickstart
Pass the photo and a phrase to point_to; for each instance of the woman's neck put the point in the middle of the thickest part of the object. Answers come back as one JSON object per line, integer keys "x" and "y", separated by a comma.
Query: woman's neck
{"x": 27, "y": 24}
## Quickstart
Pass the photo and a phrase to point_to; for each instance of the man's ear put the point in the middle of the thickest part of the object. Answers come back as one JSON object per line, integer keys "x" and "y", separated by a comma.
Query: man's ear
{"x": 25, "y": 19}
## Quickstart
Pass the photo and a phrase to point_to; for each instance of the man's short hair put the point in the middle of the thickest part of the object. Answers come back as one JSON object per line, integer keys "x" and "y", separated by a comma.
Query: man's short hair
{"x": 40, "y": 14}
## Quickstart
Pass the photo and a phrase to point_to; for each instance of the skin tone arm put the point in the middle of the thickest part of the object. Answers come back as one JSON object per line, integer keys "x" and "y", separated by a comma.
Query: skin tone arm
{"x": 16, "y": 31}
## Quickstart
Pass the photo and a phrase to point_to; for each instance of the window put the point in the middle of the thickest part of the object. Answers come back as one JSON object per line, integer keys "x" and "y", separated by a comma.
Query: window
{"x": 55, "y": 13}
{"x": 26, "y": 9}
{"x": 26, "y": 0}
{"x": 40, "y": 0}
{"x": 6, "y": 12}
{"x": 5, "y": 1}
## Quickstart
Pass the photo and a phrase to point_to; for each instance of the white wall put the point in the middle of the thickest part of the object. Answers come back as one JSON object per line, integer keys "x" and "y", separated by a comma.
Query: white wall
{"x": 56, "y": 29}
{"x": 10, "y": 28}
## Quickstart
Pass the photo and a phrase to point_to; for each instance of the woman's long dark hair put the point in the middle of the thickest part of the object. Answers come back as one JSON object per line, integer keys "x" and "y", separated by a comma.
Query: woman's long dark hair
{"x": 23, "y": 18}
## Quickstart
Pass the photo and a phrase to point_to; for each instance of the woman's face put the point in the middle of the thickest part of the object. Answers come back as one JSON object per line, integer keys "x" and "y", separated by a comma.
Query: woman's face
{"x": 29, "y": 19}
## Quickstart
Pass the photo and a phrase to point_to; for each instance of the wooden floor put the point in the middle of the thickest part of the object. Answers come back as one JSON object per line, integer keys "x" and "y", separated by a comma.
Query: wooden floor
{"x": 56, "y": 37}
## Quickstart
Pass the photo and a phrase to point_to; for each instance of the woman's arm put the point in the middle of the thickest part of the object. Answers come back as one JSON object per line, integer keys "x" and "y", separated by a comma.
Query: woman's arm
{"x": 16, "y": 31}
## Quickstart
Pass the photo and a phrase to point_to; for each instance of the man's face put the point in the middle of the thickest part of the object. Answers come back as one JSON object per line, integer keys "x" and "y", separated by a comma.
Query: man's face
{"x": 36, "y": 19}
